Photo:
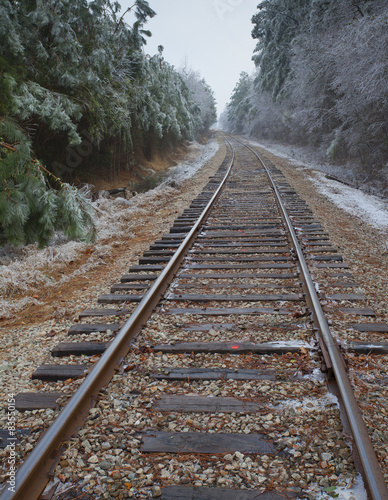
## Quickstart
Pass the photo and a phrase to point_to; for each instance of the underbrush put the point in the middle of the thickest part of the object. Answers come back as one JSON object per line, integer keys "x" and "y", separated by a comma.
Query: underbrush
{"x": 27, "y": 271}
{"x": 146, "y": 182}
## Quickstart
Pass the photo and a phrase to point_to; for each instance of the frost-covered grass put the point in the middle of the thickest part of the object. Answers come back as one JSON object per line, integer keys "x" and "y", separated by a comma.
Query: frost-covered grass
{"x": 24, "y": 270}
{"x": 369, "y": 208}
{"x": 185, "y": 170}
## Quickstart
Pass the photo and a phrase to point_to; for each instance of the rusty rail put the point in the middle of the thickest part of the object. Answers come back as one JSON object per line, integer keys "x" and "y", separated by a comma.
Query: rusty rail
{"x": 372, "y": 473}
{"x": 34, "y": 473}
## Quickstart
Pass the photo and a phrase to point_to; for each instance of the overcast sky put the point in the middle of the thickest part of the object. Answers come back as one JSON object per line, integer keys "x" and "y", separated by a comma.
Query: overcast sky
{"x": 214, "y": 36}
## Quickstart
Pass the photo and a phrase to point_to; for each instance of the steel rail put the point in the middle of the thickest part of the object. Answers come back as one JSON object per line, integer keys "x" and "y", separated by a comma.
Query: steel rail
{"x": 373, "y": 475}
{"x": 33, "y": 475}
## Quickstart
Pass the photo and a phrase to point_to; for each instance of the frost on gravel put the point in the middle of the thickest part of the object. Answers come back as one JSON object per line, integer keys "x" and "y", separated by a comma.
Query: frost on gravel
{"x": 354, "y": 490}
{"x": 313, "y": 159}
{"x": 306, "y": 158}
{"x": 24, "y": 269}
{"x": 369, "y": 208}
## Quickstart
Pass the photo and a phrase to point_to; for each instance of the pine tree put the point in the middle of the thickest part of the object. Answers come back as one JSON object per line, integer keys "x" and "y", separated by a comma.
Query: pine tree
{"x": 276, "y": 25}
{"x": 202, "y": 95}
{"x": 324, "y": 62}
{"x": 240, "y": 104}
{"x": 31, "y": 209}
{"x": 74, "y": 77}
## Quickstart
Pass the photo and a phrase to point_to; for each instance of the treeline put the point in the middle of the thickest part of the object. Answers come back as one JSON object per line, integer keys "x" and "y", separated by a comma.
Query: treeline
{"x": 321, "y": 80}
{"x": 78, "y": 92}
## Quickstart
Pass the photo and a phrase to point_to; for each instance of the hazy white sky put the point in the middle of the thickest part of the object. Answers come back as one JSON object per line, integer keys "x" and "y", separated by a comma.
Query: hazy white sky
{"x": 214, "y": 36}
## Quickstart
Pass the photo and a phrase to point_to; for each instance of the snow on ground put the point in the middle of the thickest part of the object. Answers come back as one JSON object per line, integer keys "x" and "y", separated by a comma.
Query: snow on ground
{"x": 185, "y": 170}
{"x": 24, "y": 269}
{"x": 310, "y": 404}
{"x": 308, "y": 158}
{"x": 369, "y": 208}
{"x": 355, "y": 490}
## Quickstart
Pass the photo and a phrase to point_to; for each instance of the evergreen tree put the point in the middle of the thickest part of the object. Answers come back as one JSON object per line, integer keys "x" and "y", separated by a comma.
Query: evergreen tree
{"x": 72, "y": 69}
{"x": 203, "y": 96}
{"x": 30, "y": 208}
{"x": 324, "y": 63}
{"x": 277, "y": 24}
{"x": 241, "y": 104}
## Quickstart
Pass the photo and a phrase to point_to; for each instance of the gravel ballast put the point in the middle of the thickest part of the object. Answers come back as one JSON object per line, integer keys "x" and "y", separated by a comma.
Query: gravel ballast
{"x": 303, "y": 420}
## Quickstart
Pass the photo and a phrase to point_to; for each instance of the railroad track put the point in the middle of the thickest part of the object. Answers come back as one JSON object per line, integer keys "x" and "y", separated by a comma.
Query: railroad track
{"x": 231, "y": 389}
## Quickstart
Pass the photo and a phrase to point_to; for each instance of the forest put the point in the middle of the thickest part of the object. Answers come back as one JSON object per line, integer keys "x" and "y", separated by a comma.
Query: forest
{"x": 320, "y": 81}
{"x": 77, "y": 93}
